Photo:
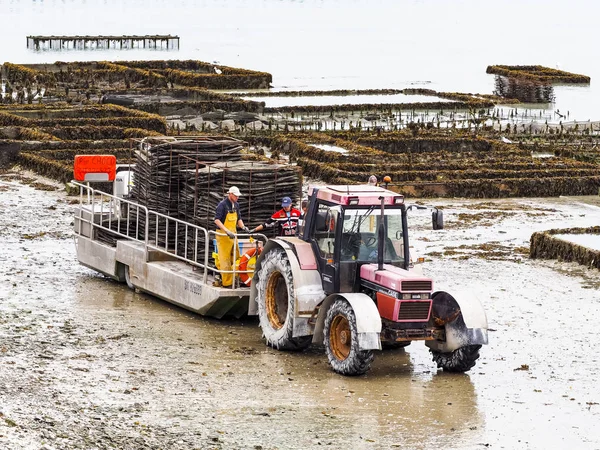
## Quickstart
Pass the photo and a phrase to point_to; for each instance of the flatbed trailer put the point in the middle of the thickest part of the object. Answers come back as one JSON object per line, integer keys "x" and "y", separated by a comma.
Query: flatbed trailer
{"x": 154, "y": 253}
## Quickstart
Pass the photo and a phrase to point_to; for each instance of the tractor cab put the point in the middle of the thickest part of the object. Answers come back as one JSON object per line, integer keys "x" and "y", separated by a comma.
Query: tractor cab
{"x": 343, "y": 225}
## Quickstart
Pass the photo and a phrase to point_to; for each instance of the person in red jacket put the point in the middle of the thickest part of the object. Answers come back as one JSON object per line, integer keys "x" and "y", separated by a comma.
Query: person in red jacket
{"x": 286, "y": 219}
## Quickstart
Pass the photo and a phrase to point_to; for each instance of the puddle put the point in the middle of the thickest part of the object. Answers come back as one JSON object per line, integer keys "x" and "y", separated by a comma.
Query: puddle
{"x": 542, "y": 155}
{"x": 330, "y": 148}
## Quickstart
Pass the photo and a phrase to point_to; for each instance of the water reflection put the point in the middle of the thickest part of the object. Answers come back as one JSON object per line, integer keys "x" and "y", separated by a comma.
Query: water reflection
{"x": 395, "y": 403}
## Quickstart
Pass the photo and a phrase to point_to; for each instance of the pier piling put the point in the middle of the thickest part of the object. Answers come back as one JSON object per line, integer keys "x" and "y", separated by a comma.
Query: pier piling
{"x": 57, "y": 43}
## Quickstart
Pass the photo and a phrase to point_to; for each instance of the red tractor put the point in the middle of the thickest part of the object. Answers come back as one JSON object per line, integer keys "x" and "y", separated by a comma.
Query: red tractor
{"x": 347, "y": 281}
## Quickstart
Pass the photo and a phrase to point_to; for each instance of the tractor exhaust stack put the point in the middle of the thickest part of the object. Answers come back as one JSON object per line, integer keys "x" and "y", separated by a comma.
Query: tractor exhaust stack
{"x": 381, "y": 236}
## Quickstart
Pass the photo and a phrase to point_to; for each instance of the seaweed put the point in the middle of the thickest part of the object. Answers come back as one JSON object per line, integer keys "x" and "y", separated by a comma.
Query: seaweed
{"x": 96, "y": 132}
{"x": 543, "y": 245}
{"x": 538, "y": 73}
{"x": 18, "y": 73}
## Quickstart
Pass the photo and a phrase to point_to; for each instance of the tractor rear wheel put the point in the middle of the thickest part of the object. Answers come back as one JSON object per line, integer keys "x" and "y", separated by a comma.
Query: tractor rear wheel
{"x": 276, "y": 302}
{"x": 341, "y": 341}
{"x": 460, "y": 360}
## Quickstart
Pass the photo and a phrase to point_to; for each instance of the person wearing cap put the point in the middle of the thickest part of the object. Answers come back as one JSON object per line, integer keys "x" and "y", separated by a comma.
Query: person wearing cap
{"x": 286, "y": 219}
{"x": 228, "y": 219}
{"x": 372, "y": 180}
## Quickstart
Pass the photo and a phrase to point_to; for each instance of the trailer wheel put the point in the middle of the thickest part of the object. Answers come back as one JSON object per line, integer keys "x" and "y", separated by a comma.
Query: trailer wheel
{"x": 460, "y": 360}
{"x": 341, "y": 341}
{"x": 276, "y": 302}
{"x": 127, "y": 271}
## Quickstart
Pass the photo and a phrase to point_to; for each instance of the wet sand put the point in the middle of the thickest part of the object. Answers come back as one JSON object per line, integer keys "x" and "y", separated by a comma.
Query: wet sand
{"x": 87, "y": 363}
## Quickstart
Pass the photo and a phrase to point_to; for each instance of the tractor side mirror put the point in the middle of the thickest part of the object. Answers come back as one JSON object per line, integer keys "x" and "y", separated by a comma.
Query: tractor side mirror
{"x": 437, "y": 219}
{"x": 330, "y": 220}
{"x": 325, "y": 221}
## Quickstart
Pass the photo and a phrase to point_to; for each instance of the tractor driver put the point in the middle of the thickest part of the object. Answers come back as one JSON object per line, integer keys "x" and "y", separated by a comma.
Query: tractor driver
{"x": 286, "y": 219}
{"x": 228, "y": 219}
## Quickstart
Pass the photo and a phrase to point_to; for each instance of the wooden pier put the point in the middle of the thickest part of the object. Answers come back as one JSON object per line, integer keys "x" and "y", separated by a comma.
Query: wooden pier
{"x": 157, "y": 42}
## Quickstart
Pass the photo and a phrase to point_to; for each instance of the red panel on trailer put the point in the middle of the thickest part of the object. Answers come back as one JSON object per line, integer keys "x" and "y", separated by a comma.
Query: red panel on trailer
{"x": 95, "y": 167}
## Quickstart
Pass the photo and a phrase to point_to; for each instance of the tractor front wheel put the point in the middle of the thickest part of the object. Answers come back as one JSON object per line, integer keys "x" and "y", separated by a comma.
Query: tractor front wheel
{"x": 460, "y": 360}
{"x": 276, "y": 302}
{"x": 341, "y": 341}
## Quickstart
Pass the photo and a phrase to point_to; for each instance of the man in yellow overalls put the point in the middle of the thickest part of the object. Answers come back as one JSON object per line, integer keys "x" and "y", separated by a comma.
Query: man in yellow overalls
{"x": 228, "y": 219}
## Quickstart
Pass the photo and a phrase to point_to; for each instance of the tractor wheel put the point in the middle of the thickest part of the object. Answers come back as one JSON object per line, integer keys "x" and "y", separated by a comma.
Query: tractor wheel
{"x": 341, "y": 341}
{"x": 127, "y": 271}
{"x": 460, "y": 360}
{"x": 276, "y": 301}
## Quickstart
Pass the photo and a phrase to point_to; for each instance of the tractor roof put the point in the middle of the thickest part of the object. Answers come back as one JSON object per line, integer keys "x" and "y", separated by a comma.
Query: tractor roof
{"x": 359, "y": 194}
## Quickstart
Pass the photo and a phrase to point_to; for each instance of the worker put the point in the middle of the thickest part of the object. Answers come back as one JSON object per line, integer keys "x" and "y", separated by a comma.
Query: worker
{"x": 302, "y": 219}
{"x": 286, "y": 219}
{"x": 228, "y": 219}
{"x": 372, "y": 180}
{"x": 304, "y": 208}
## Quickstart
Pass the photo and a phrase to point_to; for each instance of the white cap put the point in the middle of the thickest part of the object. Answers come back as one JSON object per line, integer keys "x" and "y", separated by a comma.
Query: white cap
{"x": 234, "y": 190}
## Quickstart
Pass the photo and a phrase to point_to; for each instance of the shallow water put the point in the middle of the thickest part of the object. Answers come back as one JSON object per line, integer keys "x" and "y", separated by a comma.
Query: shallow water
{"x": 85, "y": 362}
{"x": 330, "y": 148}
{"x": 329, "y": 44}
{"x": 274, "y": 102}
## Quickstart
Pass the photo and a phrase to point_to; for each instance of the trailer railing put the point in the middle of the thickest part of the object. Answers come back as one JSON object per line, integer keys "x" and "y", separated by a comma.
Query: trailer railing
{"x": 97, "y": 207}
{"x": 127, "y": 219}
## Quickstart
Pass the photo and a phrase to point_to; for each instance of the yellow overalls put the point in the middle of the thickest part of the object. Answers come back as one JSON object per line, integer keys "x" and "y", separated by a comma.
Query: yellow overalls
{"x": 225, "y": 247}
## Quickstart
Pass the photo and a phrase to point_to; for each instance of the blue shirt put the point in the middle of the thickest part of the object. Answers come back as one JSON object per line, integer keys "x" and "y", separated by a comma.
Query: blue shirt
{"x": 224, "y": 207}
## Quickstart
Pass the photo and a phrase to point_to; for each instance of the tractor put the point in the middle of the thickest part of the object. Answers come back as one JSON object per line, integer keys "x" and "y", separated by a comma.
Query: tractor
{"x": 347, "y": 281}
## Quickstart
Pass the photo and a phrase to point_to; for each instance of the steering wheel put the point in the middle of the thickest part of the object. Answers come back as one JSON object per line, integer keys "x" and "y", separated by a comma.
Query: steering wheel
{"x": 371, "y": 241}
{"x": 351, "y": 244}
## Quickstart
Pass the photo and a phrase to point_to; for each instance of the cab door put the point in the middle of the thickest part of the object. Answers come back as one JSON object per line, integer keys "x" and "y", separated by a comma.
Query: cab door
{"x": 324, "y": 241}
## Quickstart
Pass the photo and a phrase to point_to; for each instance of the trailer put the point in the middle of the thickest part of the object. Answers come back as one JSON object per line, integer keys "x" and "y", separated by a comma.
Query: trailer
{"x": 151, "y": 252}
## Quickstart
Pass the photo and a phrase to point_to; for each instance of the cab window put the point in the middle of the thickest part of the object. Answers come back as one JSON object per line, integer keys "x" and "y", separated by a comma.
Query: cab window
{"x": 325, "y": 226}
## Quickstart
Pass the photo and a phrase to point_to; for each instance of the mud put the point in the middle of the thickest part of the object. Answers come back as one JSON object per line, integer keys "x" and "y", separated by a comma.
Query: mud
{"x": 87, "y": 363}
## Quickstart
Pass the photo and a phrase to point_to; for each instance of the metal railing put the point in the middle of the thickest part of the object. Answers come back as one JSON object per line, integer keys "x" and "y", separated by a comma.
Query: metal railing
{"x": 177, "y": 238}
{"x": 110, "y": 207}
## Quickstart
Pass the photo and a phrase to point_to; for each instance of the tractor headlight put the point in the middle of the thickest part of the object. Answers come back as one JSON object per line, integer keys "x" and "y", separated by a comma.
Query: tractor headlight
{"x": 411, "y": 296}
